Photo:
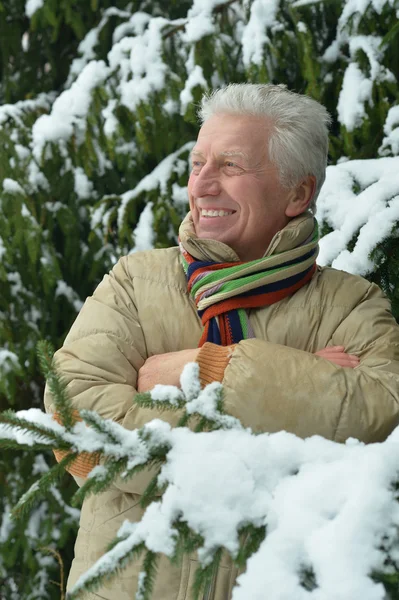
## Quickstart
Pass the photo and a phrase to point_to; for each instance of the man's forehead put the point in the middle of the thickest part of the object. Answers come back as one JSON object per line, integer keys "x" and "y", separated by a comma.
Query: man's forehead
{"x": 230, "y": 135}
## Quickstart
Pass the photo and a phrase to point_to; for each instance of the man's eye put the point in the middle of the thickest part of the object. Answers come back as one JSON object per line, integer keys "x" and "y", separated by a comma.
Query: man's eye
{"x": 229, "y": 164}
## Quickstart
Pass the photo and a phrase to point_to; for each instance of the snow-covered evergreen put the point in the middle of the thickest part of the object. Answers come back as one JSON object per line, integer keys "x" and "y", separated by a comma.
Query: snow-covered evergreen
{"x": 320, "y": 519}
{"x": 96, "y": 123}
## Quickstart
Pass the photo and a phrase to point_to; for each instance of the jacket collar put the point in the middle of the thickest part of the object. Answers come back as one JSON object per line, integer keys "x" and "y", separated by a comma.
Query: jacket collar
{"x": 293, "y": 234}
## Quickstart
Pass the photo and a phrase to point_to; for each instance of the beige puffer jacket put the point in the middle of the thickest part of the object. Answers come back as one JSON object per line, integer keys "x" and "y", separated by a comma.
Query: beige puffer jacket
{"x": 271, "y": 383}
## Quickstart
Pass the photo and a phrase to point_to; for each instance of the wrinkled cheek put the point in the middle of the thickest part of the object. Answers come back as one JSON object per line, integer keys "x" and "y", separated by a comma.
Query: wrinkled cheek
{"x": 190, "y": 192}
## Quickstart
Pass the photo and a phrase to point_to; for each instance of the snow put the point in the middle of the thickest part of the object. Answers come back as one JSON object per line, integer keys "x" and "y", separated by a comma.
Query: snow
{"x": 143, "y": 234}
{"x": 327, "y": 507}
{"x": 83, "y": 186}
{"x": 166, "y": 393}
{"x": 32, "y": 6}
{"x": 69, "y": 111}
{"x": 63, "y": 289}
{"x": 372, "y": 212}
{"x": 16, "y": 111}
{"x": 86, "y": 48}
{"x": 301, "y": 26}
{"x": 10, "y": 186}
{"x": 356, "y": 90}
{"x": 157, "y": 178}
{"x": 139, "y": 60}
{"x": 110, "y": 121}
{"x": 263, "y": 16}
{"x": 195, "y": 78}
{"x": 8, "y": 361}
{"x": 36, "y": 178}
{"x": 299, "y": 3}
{"x": 179, "y": 195}
{"x": 200, "y": 20}
{"x": 390, "y": 143}
{"x": 3, "y": 249}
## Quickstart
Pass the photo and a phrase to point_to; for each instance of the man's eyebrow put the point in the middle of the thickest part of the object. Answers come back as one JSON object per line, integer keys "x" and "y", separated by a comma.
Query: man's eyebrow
{"x": 235, "y": 153}
{"x": 223, "y": 154}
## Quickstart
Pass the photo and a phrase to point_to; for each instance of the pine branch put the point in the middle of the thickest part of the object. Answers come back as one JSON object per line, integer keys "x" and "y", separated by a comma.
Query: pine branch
{"x": 184, "y": 420}
{"x": 100, "y": 480}
{"x": 55, "y": 440}
{"x": 100, "y": 425}
{"x": 108, "y": 571}
{"x": 7, "y": 444}
{"x": 205, "y": 576}
{"x": 187, "y": 541}
{"x": 151, "y": 491}
{"x": 57, "y": 387}
{"x": 205, "y": 425}
{"x": 145, "y": 400}
{"x": 147, "y": 576}
{"x": 40, "y": 488}
{"x": 252, "y": 537}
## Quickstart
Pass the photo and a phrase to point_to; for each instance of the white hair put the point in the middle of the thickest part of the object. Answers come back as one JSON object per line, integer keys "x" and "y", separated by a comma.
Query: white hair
{"x": 298, "y": 145}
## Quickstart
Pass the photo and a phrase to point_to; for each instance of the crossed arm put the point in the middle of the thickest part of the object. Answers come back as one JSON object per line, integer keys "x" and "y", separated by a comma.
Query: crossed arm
{"x": 166, "y": 369}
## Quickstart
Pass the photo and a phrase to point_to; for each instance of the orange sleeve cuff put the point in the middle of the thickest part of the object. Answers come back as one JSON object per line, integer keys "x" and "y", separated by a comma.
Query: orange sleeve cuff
{"x": 84, "y": 462}
{"x": 213, "y": 360}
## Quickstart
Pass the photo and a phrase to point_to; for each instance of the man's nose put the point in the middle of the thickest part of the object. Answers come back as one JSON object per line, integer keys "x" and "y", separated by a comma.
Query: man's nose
{"x": 206, "y": 183}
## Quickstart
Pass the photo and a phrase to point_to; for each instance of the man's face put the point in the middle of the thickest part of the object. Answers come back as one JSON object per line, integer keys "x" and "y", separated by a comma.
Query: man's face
{"x": 233, "y": 177}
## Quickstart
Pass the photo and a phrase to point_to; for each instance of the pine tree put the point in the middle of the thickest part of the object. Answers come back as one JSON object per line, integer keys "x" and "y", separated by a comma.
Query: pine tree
{"x": 288, "y": 469}
{"x": 97, "y": 121}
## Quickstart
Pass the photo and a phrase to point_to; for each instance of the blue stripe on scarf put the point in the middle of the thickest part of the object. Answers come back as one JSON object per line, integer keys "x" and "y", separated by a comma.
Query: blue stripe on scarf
{"x": 277, "y": 285}
{"x": 197, "y": 265}
{"x": 213, "y": 332}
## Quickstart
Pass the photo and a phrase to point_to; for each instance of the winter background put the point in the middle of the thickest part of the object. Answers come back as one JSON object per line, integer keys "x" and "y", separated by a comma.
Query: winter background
{"x": 97, "y": 119}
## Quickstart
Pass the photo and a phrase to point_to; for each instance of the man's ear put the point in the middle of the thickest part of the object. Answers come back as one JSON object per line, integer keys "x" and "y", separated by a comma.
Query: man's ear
{"x": 301, "y": 196}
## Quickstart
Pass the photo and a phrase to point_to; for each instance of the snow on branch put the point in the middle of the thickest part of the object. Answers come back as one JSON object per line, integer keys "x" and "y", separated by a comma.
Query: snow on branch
{"x": 16, "y": 112}
{"x": 359, "y": 197}
{"x": 158, "y": 178}
{"x": 390, "y": 143}
{"x": 320, "y": 519}
{"x": 69, "y": 112}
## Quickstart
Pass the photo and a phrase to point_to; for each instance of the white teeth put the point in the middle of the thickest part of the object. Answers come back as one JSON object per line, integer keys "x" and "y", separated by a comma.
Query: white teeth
{"x": 215, "y": 213}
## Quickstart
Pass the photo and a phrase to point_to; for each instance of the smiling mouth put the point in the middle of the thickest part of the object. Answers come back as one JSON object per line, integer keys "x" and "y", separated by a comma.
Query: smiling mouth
{"x": 216, "y": 213}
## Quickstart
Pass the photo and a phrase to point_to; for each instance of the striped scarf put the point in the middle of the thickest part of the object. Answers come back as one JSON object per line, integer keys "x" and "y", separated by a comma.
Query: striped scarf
{"x": 223, "y": 291}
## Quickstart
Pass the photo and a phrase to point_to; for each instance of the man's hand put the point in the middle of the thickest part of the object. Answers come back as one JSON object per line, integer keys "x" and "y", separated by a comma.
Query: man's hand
{"x": 338, "y": 356}
{"x": 164, "y": 369}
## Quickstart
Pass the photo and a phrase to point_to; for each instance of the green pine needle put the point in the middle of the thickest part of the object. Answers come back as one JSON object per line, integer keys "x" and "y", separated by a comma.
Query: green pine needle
{"x": 251, "y": 537}
{"x": 43, "y": 434}
{"x": 151, "y": 492}
{"x": 205, "y": 576}
{"x": 108, "y": 575}
{"x": 40, "y": 488}
{"x": 57, "y": 387}
{"x": 144, "y": 400}
{"x": 100, "y": 482}
{"x": 149, "y": 572}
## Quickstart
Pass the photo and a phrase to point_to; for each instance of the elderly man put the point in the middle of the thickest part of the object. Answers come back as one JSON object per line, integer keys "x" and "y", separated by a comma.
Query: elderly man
{"x": 306, "y": 349}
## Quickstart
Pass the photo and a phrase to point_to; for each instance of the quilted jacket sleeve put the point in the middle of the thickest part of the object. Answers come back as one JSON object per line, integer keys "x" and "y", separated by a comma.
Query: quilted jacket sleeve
{"x": 271, "y": 387}
{"x": 100, "y": 360}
